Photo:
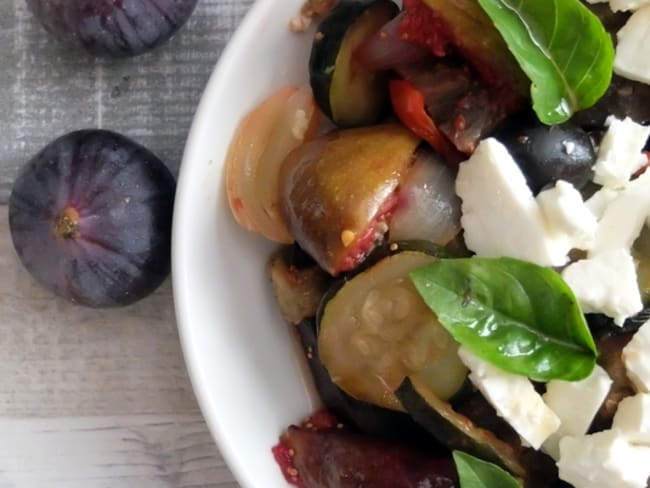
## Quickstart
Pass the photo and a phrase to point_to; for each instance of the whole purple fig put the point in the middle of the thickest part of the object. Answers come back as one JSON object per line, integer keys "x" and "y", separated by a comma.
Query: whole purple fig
{"x": 113, "y": 27}
{"x": 90, "y": 217}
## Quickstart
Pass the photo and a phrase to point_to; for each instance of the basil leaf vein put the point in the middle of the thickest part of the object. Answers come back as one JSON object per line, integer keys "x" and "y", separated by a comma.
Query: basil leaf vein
{"x": 562, "y": 47}
{"x": 518, "y": 316}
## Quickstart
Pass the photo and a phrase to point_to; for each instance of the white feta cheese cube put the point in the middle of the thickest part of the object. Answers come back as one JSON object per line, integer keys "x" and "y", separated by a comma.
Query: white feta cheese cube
{"x": 636, "y": 357}
{"x": 606, "y": 283}
{"x": 621, "y": 152}
{"x": 625, "y": 5}
{"x": 632, "y": 418}
{"x": 624, "y": 217}
{"x": 603, "y": 460}
{"x": 600, "y": 200}
{"x": 567, "y": 217}
{"x": 500, "y": 214}
{"x": 631, "y": 60}
{"x": 514, "y": 398}
{"x": 564, "y": 397}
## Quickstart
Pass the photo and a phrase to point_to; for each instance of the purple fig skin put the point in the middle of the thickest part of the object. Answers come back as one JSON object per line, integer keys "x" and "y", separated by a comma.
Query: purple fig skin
{"x": 114, "y": 28}
{"x": 90, "y": 218}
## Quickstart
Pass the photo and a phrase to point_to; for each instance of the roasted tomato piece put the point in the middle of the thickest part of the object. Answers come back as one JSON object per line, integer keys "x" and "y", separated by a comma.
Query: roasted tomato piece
{"x": 462, "y": 26}
{"x": 460, "y": 104}
{"x": 338, "y": 191}
{"x": 336, "y": 458}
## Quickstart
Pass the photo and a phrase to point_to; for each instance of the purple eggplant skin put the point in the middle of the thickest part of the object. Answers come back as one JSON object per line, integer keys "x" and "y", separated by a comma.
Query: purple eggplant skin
{"x": 90, "y": 218}
{"x": 113, "y": 28}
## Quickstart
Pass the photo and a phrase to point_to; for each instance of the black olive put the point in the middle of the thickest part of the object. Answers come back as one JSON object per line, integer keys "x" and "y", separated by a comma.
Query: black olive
{"x": 603, "y": 326}
{"x": 547, "y": 154}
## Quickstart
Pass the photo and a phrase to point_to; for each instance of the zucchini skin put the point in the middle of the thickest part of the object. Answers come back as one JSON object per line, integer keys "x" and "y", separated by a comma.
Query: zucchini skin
{"x": 368, "y": 419}
{"x": 327, "y": 42}
{"x": 329, "y": 38}
{"x": 458, "y": 431}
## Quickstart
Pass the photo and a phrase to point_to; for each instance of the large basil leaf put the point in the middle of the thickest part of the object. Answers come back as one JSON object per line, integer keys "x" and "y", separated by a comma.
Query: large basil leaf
{"x": 562, "y": 47}
{"x": 476, "y": 473}
{"x": 516, "y": 315}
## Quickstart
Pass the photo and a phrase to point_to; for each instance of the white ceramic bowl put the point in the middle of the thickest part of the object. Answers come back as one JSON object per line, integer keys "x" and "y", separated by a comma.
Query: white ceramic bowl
{"x": 240, "y": 355}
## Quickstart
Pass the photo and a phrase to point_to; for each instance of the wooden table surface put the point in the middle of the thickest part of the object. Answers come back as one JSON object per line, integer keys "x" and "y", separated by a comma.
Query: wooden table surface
{"x": 88, "y": 398}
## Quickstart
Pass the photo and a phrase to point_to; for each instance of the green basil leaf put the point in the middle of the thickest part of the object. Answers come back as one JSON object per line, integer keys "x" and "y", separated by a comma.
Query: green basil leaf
{"x": 562, "y": 47}
{"x": 476, "y": 473}
{"x": 520, "y": 317}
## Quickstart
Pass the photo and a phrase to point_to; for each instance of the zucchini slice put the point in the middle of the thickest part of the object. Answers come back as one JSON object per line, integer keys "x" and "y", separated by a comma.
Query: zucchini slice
{"x": 367, "y": 418}
{"x": 455, "y": 430}
{"x": 344, "y": 89}
{"x": 298, "y": 289}
{"x": 375, "y": 330}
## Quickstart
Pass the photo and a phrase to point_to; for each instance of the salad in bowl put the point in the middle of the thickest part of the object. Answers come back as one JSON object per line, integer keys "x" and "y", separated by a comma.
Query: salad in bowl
{"x": 456, "y": 206}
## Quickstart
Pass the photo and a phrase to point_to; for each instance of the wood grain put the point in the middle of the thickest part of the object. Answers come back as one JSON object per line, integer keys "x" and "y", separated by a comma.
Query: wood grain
{"x": 95, "y": 399}
{"x": 58, "y": 359}
{"x": 88, "y": 398}
{"x": 148, "y": 451}
{"x": 48, "y": 88}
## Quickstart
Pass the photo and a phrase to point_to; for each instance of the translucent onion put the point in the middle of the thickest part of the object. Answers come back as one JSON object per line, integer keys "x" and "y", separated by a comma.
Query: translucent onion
{"x": 261, "y": 142}
{"x": 388, "y": 50}
{"x": 428, "y": 207}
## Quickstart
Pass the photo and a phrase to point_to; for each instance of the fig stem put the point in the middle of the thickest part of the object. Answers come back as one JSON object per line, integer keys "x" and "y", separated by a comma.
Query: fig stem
{"x": 66, "y": 224}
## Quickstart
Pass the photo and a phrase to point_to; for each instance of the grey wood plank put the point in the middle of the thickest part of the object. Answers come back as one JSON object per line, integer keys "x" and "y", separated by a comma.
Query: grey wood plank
{"x": 147, "y": 451}
{"x": 58, "y": 359}
{"x": 48, "y": 88}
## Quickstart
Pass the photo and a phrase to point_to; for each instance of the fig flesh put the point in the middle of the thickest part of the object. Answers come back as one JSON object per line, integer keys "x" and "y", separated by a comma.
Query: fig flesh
{"x": 90, "y": 217}
{"x": 111, "y": 27}
{"x": 313, "y": 457}
{"x": 338, "y": 190}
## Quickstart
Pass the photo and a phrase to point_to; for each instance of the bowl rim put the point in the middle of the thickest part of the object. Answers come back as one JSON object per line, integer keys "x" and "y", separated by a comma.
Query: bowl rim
{"x": 257, "y": 15}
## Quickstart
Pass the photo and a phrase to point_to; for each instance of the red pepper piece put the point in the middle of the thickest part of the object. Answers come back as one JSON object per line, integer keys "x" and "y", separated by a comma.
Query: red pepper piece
{"x": 409, "y": 106}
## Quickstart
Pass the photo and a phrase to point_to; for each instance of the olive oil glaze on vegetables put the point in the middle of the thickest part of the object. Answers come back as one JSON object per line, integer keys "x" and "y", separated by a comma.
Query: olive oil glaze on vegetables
{"x": 448, "y": 262}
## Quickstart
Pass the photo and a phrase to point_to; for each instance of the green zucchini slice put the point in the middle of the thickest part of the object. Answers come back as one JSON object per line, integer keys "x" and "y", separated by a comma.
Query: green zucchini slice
{"x": 375, "y": 330}
{"x": 344, "y": 89}
{"x": 455, "y": 430}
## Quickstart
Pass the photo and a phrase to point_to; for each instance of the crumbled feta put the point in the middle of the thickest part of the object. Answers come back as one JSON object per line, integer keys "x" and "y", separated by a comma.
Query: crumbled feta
{"x": 621, "y": 152}
{"x": 603, "y": 460}
{"x": 600, "y": 200}
{"x": 606, "y": 283}
{"x": 625, "y": 5}
{"x": 563, "y": 396}
{"x": 514, "y": 398}
{"x": 632, "y": 418}
{"x": 631, "y": 60}
{"x": 567, "y": 216}
{"x": 624, "y": 217}
{"x": 636, "y": 357}
{"x": 500, "y": 214}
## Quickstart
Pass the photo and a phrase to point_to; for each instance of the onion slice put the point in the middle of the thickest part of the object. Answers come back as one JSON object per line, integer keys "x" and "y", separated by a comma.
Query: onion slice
{"x": 261, "y": 143}
{"x": 387, "y": 49}
{"x": 428, "y": 206}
